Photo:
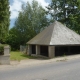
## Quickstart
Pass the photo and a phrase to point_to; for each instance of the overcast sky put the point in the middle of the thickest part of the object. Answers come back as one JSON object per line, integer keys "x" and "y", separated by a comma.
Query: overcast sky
{"x": 15, "y": 6}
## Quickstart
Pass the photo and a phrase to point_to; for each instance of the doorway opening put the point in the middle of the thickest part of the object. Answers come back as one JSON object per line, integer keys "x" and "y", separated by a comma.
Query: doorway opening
{"x": 44, "y": 50}
{"x": 33, "y": 49}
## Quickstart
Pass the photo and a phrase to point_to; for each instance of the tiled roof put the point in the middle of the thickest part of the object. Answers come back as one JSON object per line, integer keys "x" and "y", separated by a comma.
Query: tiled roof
{"x": 56, "y": 34}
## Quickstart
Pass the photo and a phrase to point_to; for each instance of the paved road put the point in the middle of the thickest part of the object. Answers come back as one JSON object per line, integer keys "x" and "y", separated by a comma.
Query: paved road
{"x": 60, "y": 70}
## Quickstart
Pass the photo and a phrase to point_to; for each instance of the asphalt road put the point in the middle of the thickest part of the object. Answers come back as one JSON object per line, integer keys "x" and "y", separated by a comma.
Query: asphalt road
{"x": 60, "y": 70}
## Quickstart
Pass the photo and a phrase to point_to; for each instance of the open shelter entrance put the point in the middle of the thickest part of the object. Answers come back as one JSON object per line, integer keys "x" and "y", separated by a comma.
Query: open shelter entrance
{"x": 44, "y": 50}
{"x": 33, "y": 49}
{"x": 66, "y": 50}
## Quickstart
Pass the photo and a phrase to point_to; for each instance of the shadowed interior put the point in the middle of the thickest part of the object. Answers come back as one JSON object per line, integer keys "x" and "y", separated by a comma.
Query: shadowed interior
{"x": 33, "y": 49}
{"x": 66, "y": 50}
{"x": 44, "y": 50}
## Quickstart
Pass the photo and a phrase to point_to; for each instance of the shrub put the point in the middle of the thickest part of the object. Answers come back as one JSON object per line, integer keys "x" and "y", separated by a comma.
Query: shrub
{"x": 1, "y": 49}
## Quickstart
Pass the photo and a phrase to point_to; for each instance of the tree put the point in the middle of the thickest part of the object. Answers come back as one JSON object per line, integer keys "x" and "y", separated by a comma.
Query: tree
{"x": 4, "y": 19}
{"x": 67, "y": 12}
{"x": 31, "y": 20}
{"x": 12, "y": 39}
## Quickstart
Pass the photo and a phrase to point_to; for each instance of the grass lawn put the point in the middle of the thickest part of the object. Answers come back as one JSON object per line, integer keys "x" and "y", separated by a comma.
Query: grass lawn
{"x": 16, "y": 55}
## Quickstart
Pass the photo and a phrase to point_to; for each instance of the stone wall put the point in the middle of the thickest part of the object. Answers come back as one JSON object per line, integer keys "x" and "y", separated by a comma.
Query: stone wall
{"x": 5, "y": 59}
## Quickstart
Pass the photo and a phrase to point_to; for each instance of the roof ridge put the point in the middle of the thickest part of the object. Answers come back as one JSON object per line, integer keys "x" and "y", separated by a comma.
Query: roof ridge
{"x": 53, "y": 30}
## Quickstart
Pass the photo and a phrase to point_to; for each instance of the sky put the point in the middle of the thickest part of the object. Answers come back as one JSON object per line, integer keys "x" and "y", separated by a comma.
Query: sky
{"x": 15, "y": 7}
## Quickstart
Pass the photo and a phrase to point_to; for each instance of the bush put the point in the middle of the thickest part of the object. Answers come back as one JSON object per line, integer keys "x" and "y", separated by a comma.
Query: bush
{"x": 1, "y": 49}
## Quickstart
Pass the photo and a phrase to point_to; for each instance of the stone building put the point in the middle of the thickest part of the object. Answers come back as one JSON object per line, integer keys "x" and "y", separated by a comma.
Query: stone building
{"x": 55, "y": 40}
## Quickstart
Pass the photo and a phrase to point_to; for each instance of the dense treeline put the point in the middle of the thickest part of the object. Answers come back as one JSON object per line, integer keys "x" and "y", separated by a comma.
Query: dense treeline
{"x": 67, "y": 12}
{"x": 33, "y": 18}
{"x": 4, "y": 20}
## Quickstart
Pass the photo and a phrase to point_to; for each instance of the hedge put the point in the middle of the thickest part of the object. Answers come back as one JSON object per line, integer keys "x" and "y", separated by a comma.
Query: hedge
{"x": 1, "y": 49}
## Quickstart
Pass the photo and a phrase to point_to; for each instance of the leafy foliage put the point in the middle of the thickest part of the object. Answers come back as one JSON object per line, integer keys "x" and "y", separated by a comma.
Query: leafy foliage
{"x": 31, "y": 20}
{"x": 67, "y": 12}
{"x": 4, "y": 19}
{"x": 12, "y": 39}
{"x": 1, "y": 49}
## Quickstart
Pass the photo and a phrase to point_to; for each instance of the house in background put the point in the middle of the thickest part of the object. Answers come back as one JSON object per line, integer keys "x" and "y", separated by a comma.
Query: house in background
{"x": 55, "y": 40}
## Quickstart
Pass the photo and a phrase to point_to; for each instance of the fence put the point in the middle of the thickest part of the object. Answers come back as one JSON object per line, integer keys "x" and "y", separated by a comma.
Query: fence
{"x": 23, "y": 48}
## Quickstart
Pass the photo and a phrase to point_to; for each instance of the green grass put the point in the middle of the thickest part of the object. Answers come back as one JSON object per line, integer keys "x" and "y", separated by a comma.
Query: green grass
{"x": 16, "y": 55}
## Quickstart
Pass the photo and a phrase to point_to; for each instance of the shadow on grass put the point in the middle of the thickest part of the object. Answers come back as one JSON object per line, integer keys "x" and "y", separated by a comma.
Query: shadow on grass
{"x": 38, "y": 57}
